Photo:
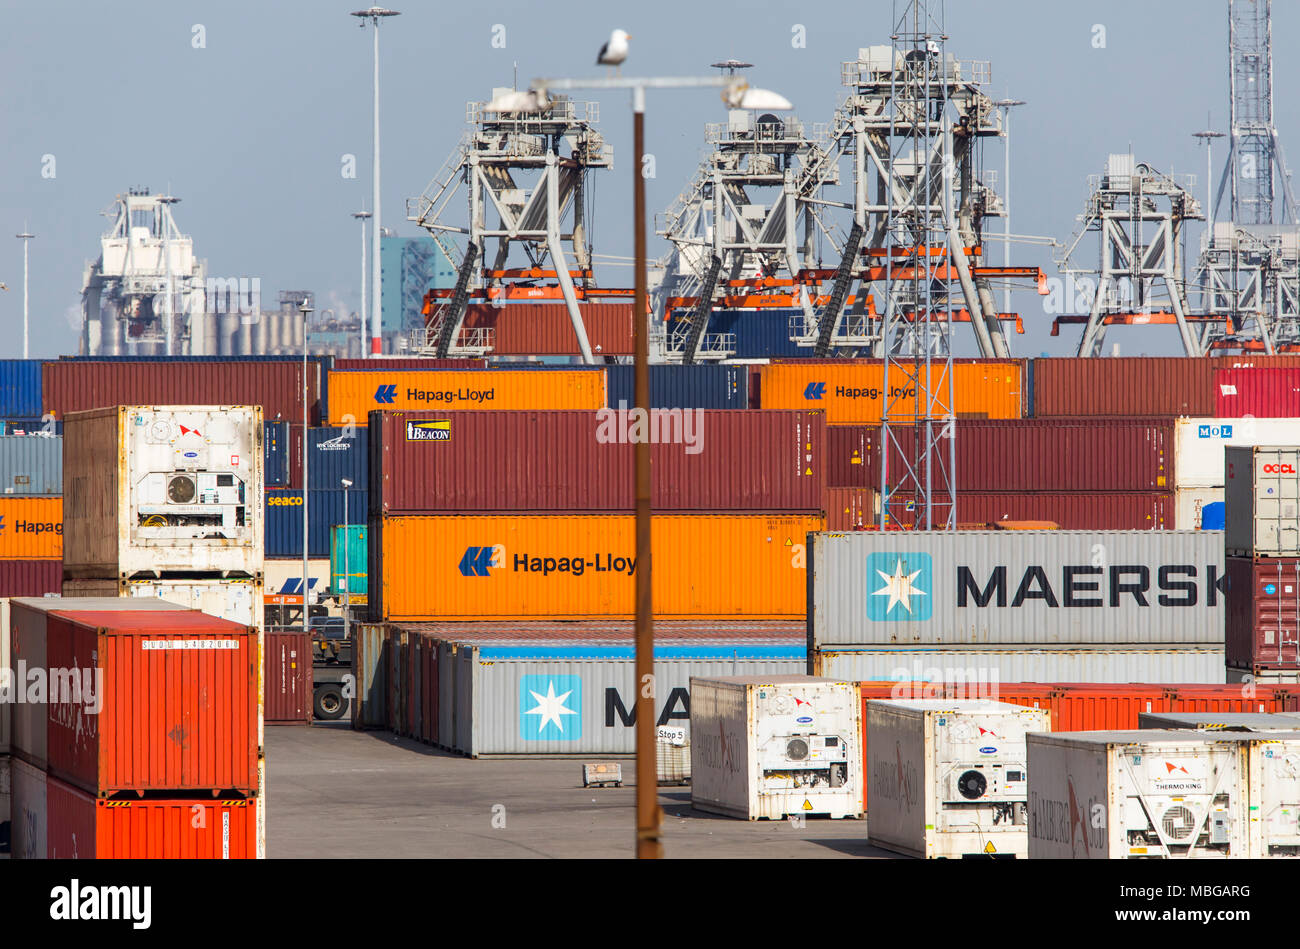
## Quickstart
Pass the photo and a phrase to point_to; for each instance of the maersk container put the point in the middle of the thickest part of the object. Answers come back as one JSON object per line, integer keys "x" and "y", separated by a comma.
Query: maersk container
{"x": 1200, "y": 444}
{"x": 1262, "y": 502}
{"x": 1138, "y": 794}
{"x": 348, "y": 552}
{"x": 152, "y": 490}
{"x": 1263, "y": 618}
{"x": 1028, "y": 589}
{"x": 20, "y": 388}
{"x": 770, "y": 746}
{"x": 324, "y": 512}
{"x": 31, "y": 465}
{"x": 683, "y": 387}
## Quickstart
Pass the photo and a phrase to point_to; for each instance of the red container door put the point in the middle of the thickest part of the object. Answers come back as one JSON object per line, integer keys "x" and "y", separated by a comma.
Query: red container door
{"x": 1263, "y": 621}
{"x": 287, "y": 680}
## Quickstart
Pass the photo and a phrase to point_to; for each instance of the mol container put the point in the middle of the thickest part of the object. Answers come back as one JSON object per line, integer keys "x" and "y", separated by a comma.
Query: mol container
{"x": 1262, "y": 502}
{"x": 772, "y": 746}
{"x": 151, "y": 490}
{"x": 947, "y": 778}
{"x": 353, "y": 395}
{"x": 1263, "y": 621}
{"x": 1023, "y": 589}
{"x": 1199, "y": 444}
{"x": 1137, "y": 794}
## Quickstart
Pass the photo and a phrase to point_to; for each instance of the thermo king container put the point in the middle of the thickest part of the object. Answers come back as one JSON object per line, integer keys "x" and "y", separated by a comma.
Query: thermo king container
{"x": 948, "y": 778}
{"x": 1220, "y": 721}
{"x": 773, "y": 746}
{"x": 1273, "y": 770}
{"x": 1262, "y": 628}
{"x": 151, "y": 490}
{"x": 1262, "y": 502}
{"x": 1137, "y": 794}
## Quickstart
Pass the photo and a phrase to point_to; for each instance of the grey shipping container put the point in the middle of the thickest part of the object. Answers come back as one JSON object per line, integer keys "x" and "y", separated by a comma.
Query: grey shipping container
{"x": 370, "y": 704}
{"x": 1262, "y": 502}
{"x": 1016, "y": 588}
{"x": 31, "y": 465}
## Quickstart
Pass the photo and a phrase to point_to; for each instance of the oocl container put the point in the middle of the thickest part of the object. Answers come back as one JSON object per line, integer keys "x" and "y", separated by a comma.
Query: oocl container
{"x": 354, "y": 394}
{"x": 153, "y": 490}
{"x": 1263, "y": 618}
{"x": 31, "y": 528}
{"x": 575, "y": 567}
{"x": 1262, "y": 502}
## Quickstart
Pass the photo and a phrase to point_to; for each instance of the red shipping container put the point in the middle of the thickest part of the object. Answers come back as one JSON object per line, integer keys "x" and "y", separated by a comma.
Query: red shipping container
{"x": 408, "y": 362}
{"x": 851, "y": 509}
{"x": 1224, "y": 698}
{"x": 1263, "y": 393}
{"x": 1262, "y": 621}
{"x": 769, "y": 461}
{"x": 545, "y": 329}
{"x": 177, "y": 708}
{"x": 30, "y": 577}
{"x": 1088, "y": 706}
{"x": 80, "y": 826}
{"x": 1135, "y": 386}
{"x": 287, "y": 680}
{"x": 74, "y": 385}
{"x": 1117, "y": 510}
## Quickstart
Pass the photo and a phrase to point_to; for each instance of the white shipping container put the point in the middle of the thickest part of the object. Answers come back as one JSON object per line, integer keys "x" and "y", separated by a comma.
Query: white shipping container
{"x": 27, "y": 812}
{"x": 237, "y": 600}
{"x": 1220, "y": 721}
{"x": 1197, "y": 509}
{"x": 1199, "y": 445}
{"x": 150, "y": 490}
{"x": 1262, "y": 502}
{"x": 1273, "y": 767}
{"x": 772, "y": 746}
{"x": 1262, "y": 676}
{"x": 1137, "y": 794}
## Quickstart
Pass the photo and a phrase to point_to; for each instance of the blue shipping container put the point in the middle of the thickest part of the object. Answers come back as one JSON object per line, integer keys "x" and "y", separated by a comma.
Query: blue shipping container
{"x": 20, "y": 388}
{"x": 275, "y": 454}
{"x": 337, "y": 453}
{"x": 31, "y": 466}
{"x": 324, "y": 510}
{"x": 685, "y": 387}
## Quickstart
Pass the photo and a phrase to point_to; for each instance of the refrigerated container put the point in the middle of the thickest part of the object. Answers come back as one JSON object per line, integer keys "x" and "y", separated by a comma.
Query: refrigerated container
{"x": 768, "y": 747}
{"x": 236, "y": 600}
{"x": 31, "y": 466}
{"x": 1262, "y": 502}
{"x": 1262, "y": 626}
{"x": 1273, "y": 772}
{"x": 948, "y": 778}
{"x": 1220, "y": 721}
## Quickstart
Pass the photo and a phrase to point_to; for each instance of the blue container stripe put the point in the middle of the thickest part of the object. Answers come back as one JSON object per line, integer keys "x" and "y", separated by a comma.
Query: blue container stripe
{"x": 721, "y": 653}
{"x": 20, "y": 388}
{"x": 324, "y": 510}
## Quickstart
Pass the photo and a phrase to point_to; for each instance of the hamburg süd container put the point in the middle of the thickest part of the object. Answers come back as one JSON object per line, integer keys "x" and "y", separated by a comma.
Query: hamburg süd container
{"x": 31, "y": 528}
{"x": 1263, "y": 615}
{"x": 1200, "y": 443}
{"x": 583, "y": 566}
{"x": 31, "y": 466}
{"x": 1024, "y": 589}
{"x": 703, "y": 460}
{"x": 353, "y": 395}
{"x": 236, "y": 600}
{"x": 287, "y": 678}
{"x": 948, "y": 778}
{"x": 1262, "y": 502}
{"x": 765, "y": 747}
{"x": 152, "y": 490}
{"x": 1138, "y": 794}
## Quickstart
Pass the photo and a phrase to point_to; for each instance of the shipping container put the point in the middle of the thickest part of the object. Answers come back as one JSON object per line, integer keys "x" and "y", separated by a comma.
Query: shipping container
{"x": 28, "y": 821}
{"x": 546, "y": 329}
{"x": 1221, "y": 722}
{"x": 1202, "y": 664}
{"x": 1262, "y": 393}
{"x": 31, "y": 466}
{"x": 576, "y": 567}
{"x": 354, "y": 394}
{"x": 1263, "y": 615}
{"x": 1262, "y": 502}
{"x": 287, "y": 678}
{"x": 684, "y": 387}
{"x": 1188, "y": 698}
{"x": 702, "y": 460}
{"x": 84, "y": 827}
{"x": 1199, "y": 509}
{"x": 335, "y": 454}
{"x": 284, "y": 579}
{"x": 372, "y": 363}
{"x": 754, "y": 333}
{"x": 851, "y": 392}
{"x": 32, "y": 528}
{"x": 30, "y": 577}
{"x": 1152, "y": 794}
{"x": 1134, "y": 386}
{"x": 1032, "y": 589}
{"x": 20, "y": 388}
{"x": 348, "y": 551}
{"x": 1070, "y": 511}
{"x": 851, "y": 509}
{"x": 78, "y": 385}
{"x": 236, "y": 600}
{"x": 276, "y": 452}
{"x": 6, "y": 806}
{"x": 163, "y": 489}
{"x": 759, "y": 752}
{"x": 1200, "y": 443}
{"x": 37, "y": 427}
{"x": 369, "y": 665}
{"x": 947, "y": 778}
{"x": 324, "y": 511}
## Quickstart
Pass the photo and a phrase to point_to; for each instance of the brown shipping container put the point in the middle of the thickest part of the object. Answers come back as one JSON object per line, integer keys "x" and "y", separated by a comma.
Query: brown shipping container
{"x": 1116, "y": 510}
{"x": 736, "y": 460}
{"x": 287, "y": 678}
{"x": 1263, "y": 613}
{"x": 544, "y": 329}
{"x": 850, "y": 509}
{"x": 77, "y": 385}
{"x": 30, "y": 577}
{"x": 408, "y": 362}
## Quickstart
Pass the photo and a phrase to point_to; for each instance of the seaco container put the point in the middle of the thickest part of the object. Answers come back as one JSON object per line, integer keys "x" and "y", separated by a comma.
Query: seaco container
{"x": 31, "y": 465}
{"x": 32, "y": 528}
{"x": 1257, "y": 392}
{"x": 1262, "y": 502}
{"x": 703, "y": 460}
{"x": 851, "y": 391}
{"x": 1016, "y": 588}
{"x": 81, "y": 826}
{"x": 1263, "y": 618}
{"x": 324, "y": 512}
{"x": 353, "y": 395}
{"x": 175, "y": 704}
{"x": 583, "y": 566}
{"x": 684, "y": 387}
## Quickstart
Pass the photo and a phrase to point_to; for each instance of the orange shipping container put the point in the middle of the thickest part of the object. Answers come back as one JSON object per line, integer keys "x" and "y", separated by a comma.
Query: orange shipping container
{"x": 352, "y": 395}
{"x": 583, "y": 567}
{"x": 852, "y": 392}
{"x": 31, "y": 528}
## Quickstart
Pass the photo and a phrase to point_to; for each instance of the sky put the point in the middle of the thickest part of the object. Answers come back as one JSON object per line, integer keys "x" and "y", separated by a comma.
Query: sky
{"x": 246, "y": 111}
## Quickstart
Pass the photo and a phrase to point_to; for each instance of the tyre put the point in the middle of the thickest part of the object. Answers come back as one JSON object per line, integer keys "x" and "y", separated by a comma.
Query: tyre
{"x": 330, "y": 705}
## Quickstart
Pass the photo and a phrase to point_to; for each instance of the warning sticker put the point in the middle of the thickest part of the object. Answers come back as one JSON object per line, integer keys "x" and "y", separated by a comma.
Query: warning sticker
{"x": 190, "y": 644}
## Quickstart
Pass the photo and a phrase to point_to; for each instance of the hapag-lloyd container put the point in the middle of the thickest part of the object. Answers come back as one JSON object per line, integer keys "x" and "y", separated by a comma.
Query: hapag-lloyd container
{"x": 353, "y": 395}
{"x": 1258, "y": 392}
{"x": 1200, "y": 443}
{"x": 152, "y": 490}
{"x": 582, "y": 566}
{"x": 703, "y": 460}
{"x": 1263, "y": 619}
{"x": 851, "y": 392}
{"x": 81, "y": 826}
{"x": 177, "y": 708}
{"x": 31, "y": 465}
{"x": 1262, "y": 502}
{"x": 1025, "y": 589}
{"x": 33, "y": 528}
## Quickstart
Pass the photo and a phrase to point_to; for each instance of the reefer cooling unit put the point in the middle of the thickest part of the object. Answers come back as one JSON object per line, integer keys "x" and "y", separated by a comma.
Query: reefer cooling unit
{"x": 772, "y": 746}
{"x": 948, "y": 778}
{"x": 157, "y": 490}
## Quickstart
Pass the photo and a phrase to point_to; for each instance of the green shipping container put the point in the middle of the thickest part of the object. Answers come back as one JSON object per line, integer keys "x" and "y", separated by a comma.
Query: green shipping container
{"x": 348, "y": 553}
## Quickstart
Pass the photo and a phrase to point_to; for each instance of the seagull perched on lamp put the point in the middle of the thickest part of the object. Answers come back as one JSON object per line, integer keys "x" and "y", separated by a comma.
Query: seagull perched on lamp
{"x": 614, "y": 51}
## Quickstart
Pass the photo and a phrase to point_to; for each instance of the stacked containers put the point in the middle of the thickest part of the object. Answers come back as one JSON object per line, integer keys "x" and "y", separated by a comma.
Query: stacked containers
{"x": 1199, "y": 461}
{"x": 31, "y": 513}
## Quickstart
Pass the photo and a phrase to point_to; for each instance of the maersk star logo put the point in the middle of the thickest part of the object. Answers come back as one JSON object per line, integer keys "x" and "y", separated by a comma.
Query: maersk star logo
{"x": 899, "y": 586}
{"x": 550, "y": 708}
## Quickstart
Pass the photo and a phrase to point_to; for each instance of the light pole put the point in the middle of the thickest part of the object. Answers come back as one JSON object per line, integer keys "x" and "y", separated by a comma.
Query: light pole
{"x": 26, "y": 239}
{"x": 1208, "y": 137}
{"x": 1006, "y": 105}
{"x": 361, "y": 216}
{"x": 347, "y": 570}
{"x": 737, "y": 94}
{"x": 304, "y": 309}
{"x": 373, "y": 14}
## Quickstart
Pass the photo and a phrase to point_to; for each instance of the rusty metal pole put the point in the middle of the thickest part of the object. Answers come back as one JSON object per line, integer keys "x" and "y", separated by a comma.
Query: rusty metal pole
{"x": 648, "y": 815}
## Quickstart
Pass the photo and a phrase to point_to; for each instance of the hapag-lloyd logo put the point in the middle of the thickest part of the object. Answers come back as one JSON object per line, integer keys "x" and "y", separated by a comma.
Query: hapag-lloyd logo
{"x": 895, "y": 780}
